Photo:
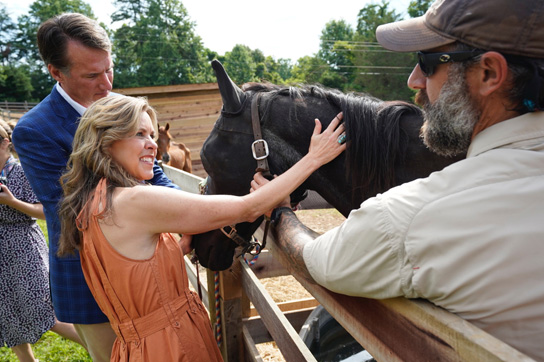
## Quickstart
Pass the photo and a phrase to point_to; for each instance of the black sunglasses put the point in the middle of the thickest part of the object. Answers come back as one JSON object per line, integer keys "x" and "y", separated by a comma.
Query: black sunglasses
{"x": 429, "y": 61}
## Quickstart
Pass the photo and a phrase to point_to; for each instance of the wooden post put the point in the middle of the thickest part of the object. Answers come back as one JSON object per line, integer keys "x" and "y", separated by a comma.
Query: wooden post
{"x": 230, "y": 287}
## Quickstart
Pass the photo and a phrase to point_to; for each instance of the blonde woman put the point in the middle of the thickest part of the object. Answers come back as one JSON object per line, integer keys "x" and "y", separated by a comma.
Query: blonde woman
{"x": 121, "y": 227}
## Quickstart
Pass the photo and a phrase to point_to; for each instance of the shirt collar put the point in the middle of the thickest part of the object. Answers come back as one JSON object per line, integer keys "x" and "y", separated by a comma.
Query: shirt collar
{"x": 78, "y": 107}
{"x": 529, "y": 126}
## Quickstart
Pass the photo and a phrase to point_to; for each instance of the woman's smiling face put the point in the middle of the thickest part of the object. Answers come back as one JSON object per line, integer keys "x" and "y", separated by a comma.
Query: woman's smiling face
{"x": 136, "y": 153}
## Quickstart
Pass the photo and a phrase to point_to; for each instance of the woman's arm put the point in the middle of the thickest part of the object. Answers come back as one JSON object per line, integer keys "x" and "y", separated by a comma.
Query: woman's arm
{"x": 158, "y": 209}
{"x": 33, "y": 210}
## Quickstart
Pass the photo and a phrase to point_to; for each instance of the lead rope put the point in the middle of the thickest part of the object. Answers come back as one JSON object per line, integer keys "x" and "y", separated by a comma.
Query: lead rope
{"x": 218, "y": 331}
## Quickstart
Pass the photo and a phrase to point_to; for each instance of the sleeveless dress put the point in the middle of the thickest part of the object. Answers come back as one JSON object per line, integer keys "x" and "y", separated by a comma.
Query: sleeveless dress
{"x": 26, "y": 310}
{"x": 148, "y": 302}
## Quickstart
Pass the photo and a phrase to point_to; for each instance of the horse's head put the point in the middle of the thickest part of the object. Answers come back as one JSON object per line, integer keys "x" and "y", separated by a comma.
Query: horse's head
{"x": 229, "y": 159}
{"x": 163, "y": 143}
{"x": 226, "y": 157}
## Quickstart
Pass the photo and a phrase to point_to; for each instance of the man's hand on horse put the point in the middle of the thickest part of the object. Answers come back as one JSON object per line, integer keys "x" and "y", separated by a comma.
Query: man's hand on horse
{"x": 185, "y": 243}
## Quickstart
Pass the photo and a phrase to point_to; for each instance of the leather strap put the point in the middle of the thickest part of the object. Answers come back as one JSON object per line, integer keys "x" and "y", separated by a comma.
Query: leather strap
{"x": 259, "y": 147}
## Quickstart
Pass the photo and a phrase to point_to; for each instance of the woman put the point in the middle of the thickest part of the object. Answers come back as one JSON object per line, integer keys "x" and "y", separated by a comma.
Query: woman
{"x": 131, "y": 262}
{"x": 26, "y": 311}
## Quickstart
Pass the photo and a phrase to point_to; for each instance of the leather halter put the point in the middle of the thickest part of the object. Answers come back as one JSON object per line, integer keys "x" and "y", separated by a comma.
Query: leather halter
{"x": 260, "y": 151}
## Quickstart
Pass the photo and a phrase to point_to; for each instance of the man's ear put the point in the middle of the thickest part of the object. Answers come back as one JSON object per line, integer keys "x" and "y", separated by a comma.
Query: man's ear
{"x": 56, "y": 73}
{"x": 494, "y": 73}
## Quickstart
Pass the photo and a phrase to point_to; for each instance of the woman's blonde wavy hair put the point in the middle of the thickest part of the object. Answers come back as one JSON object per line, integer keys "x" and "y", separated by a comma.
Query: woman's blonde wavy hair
{"x": 106, "y": 121}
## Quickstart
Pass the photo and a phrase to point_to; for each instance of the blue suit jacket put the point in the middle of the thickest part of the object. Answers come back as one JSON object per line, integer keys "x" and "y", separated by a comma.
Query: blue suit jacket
{"x": 43, "y": 140}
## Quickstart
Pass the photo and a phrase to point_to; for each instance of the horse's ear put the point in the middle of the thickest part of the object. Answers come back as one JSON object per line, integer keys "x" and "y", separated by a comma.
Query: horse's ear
{"x": 167, "y": 127}
{"x": 233, "y": 97}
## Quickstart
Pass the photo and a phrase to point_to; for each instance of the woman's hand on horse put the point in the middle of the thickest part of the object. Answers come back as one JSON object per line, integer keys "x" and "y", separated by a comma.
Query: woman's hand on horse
{"x": 327, "y": 145}
{"x": 258, "y": 181}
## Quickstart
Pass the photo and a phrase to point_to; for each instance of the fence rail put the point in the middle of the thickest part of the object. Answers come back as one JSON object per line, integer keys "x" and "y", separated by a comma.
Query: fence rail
{"x": 12, "y": 111}
{"x": 396, "y": 329}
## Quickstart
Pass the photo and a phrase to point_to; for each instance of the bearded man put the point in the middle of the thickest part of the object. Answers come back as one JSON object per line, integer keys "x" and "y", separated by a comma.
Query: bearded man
{"x": 468, "y": 238}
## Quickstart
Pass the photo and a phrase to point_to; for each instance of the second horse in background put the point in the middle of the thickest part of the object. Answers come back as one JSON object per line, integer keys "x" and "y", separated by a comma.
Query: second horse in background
{"x": 172, "y": 153}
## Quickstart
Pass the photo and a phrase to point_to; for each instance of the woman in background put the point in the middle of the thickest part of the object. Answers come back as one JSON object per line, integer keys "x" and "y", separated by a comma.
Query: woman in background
{"x": 26, "y": 311}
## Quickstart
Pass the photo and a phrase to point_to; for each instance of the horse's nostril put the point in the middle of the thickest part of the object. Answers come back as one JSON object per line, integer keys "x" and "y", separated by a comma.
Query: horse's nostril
{"x": 166, "y": 157}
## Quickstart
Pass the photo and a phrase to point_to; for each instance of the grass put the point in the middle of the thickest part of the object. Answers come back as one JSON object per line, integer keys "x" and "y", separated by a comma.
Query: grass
{"x": 51, "y": 347}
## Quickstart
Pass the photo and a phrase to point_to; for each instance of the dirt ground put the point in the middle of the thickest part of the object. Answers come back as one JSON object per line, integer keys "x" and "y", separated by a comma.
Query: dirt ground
{"x": 286, "y": 288}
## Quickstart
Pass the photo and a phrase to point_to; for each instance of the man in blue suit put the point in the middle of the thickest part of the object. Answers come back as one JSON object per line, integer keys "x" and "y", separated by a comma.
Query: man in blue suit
{"x": 77, "y": 52}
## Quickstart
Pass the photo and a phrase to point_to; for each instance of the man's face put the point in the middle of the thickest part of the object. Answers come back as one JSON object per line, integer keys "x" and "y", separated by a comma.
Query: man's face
{"x": 90, "y": 74}
{"x": 450, "y": 119}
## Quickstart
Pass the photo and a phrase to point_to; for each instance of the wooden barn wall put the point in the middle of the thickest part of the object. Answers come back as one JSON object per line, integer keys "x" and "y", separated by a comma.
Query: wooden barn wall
{"x": 191, "y": 110}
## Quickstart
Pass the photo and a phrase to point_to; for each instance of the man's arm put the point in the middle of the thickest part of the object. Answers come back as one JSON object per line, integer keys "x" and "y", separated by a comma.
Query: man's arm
{"x": 291, "y": 235}
{"x": 160, "y": 179}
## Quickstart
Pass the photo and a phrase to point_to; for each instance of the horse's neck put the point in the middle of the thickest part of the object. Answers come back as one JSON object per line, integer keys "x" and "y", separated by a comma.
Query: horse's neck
{"x": 329, "y": 181}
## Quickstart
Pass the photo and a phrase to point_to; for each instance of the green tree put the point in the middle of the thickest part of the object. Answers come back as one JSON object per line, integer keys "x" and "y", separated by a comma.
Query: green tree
{"x": 380, "y": 72}
{"x": 308, "y": 69}
{"x": 7, "y": 35}
{"x": 418, "y": 7}
{"x": 240, "y": 64}
{"x": 157, "y": 45}
{"x": 15, "y": 83}
{"x": 284, "y": 68}
{"x": 335, "y": 42}
{"x": 336, "y": 49}
{"x": 276, "y": 71}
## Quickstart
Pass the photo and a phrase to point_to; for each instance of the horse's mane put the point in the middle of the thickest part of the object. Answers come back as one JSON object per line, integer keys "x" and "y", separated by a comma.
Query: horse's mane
{"x": 374, "y": 138}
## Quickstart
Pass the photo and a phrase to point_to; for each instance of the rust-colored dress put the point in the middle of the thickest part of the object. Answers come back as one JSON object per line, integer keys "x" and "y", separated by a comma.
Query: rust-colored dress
{"x": 148, "y": 303}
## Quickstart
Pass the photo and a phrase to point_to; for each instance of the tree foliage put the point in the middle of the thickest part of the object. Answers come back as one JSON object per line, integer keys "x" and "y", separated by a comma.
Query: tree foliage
{"x": 155, "y": 43}
{"x": 7, "y": 35}
{"x": 418, "y": 7}
{"x": 15, "y": 83}
{"x": 380, "y": 72}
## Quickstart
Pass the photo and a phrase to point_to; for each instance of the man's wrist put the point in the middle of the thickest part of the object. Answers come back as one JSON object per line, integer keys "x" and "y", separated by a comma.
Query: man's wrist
{"x": 276, "y": 214}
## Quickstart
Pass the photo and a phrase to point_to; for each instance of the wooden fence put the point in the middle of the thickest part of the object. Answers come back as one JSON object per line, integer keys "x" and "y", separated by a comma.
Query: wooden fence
{"x": 191, "y": 110}
{"x": 12, "y": 111}
{"x": 391, "y": 330}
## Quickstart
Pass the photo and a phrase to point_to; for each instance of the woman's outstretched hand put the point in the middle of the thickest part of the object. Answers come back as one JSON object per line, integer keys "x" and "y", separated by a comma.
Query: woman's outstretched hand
{"x": 327, "y": 145}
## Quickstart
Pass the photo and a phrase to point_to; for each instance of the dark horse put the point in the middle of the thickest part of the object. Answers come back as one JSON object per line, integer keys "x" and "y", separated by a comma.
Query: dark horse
{"x": 384, "y": 149}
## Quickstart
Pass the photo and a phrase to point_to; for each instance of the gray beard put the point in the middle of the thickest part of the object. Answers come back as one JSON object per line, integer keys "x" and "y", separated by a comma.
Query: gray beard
{"x": 450, "y": 121}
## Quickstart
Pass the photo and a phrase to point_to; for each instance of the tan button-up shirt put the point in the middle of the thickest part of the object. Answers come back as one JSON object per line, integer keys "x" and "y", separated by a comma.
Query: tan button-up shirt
{"x": 469, "y": 238}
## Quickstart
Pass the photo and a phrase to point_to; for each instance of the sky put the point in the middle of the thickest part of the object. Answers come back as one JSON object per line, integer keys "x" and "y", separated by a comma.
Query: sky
{"x": 287, "y": 29}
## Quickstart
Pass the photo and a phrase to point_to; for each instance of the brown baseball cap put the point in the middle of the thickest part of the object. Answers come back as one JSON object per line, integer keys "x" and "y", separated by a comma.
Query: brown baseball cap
{"x": 507, "y": 26}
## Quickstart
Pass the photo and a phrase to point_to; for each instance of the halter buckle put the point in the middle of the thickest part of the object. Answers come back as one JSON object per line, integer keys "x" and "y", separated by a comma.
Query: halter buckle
{"x": 254, "y": 151}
